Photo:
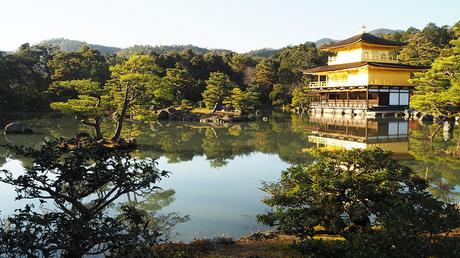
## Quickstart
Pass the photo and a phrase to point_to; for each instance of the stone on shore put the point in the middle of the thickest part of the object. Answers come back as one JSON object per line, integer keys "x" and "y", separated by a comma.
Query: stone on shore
{"x": 17, "y": 128}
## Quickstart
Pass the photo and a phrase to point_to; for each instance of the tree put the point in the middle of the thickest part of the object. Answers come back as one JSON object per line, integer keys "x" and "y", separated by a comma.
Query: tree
{"x": 294, "y": 60}
{"x": 25, "y": 76}
{"x": 438, "y": 89}
{"x": 82, "y": 182}
{"x": 425, "y": 46}
{"x": 300, "y": 97}
{"x": 378, "y": 206}
{"x": 91, "y": 105}
{"x": 128, "y": 85}
{"x": 180, "y": 82}
{"x": 280, "y": 95}
{"x": 218, "y": 86}
{"x": 242, "y": 100}
{"x": 86, "y": 64}
{"x": 266, "y": 74}
{"x": 243, "y": 67}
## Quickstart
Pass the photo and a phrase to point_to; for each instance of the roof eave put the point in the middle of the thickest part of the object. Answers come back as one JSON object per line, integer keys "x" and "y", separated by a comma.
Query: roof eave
{"x": 332, "y": 48}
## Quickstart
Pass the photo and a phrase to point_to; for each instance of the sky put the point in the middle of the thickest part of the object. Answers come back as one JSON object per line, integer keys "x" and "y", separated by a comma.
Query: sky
{"x": 238, "y": 25}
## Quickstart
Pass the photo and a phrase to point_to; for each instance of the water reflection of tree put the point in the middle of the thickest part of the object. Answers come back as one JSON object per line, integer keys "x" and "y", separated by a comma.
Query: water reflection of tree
{"x": 152, "y": 204}
{"x": 436, "y": 160}
{"x": 285, "y": 135}
{"x": 45, "y": 126}
{"x": 219, "y": 144}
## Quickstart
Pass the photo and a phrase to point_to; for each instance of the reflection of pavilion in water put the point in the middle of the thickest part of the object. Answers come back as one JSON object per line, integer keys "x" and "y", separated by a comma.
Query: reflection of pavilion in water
{"x": 349, "y": 133}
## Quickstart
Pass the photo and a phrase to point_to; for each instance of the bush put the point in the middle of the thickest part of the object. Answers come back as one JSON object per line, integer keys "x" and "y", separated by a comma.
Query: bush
{"x": 379, "y": 206}
{"x": 82, "y": 184}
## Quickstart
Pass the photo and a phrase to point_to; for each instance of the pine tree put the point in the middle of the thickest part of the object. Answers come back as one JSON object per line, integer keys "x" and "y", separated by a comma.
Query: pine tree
{"x": 218, "y": 86}
{"x": 438, "y": 89}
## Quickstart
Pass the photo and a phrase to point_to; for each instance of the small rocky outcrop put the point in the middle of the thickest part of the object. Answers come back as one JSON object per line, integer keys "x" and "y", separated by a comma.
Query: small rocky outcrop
{"x": 226, "y": 118}
{"x": 163, "y": 115}
{"x": 84, "y": 140}
{"x": 172, "y": 114}
{"x": 122, "y": 143}
{"x": 17, "y": 128}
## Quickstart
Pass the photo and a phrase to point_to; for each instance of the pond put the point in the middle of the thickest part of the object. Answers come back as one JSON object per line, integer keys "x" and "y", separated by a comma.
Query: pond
{"x": 216, "y": 171}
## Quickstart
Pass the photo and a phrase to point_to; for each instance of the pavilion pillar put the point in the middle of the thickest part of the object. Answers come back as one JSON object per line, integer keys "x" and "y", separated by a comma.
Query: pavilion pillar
{"x": 367, "y": 98}
{"x": 348, "y": 99}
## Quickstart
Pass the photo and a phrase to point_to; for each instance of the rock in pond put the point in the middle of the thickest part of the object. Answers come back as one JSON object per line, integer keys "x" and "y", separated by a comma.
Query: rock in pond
{"x": 17, "y": 128}
{"x": 163, "y": 115}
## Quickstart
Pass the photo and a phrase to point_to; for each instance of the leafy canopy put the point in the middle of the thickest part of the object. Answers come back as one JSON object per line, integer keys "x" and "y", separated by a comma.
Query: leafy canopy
{"x": 81, "y": 184}
{"x": 438, "y": 89}
{"x": 242, "y": 100}
{"x": 378, "y": 206}
{"x": 218, "y": 86}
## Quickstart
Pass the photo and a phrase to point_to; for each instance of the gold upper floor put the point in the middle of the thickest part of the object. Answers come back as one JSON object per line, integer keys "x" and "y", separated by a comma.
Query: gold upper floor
{"x": 363, "y": 60}
{"x": 364, "y": 53}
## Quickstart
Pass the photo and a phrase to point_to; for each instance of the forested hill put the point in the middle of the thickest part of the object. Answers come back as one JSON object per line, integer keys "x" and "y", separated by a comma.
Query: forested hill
{"x": 264, "y": 52}
{"x": 75, "y": 45}
{"x": 376, "y": 32}
{"x": 146, "y": 49}
{"x": 383, "y": 31}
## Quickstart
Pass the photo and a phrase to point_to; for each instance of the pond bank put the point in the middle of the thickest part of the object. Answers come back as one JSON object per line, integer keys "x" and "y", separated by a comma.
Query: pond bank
{"x": 260, "y": 244}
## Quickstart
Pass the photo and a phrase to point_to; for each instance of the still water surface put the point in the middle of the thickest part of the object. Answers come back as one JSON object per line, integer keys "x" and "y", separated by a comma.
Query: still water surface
{"x": 217, "y": 170}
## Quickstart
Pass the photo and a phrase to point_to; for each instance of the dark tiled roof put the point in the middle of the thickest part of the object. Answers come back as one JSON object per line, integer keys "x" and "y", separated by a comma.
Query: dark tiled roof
{"x": 366, "y": 38}
{"x": 359, "y": 64}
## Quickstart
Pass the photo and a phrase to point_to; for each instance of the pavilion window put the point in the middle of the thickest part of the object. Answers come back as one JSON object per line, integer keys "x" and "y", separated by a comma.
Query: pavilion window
{"x": 403, "y": 128}
{"x": 404, "y": 99}
{"x": 366, "y": 55}
{"x": 394, "y": 98}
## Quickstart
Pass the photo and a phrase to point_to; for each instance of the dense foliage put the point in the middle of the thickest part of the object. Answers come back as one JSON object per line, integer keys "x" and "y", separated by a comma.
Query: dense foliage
{"x": 377, "y": 207}
{"x": 77, "y": 187}
{"x": 438, "y": 89}
{"x": 183, "y": 75}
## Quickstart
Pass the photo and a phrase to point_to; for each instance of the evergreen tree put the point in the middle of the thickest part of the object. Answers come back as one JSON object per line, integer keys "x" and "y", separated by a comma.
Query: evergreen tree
{"x": 426, "y": 45}
{"x": 91, "y": 105}
{"x": 133, "y": 86}
{"x": 242, "y": 100}
{"x": 218, "y": 86}
{"x": 181, "y": 83}
{"x": 300, "y": 97}
{"x": 438, "y": 89}
{"x": 376, "y": 205}
{"x": 280, "y": 95}
{"x": 86, "y": 64}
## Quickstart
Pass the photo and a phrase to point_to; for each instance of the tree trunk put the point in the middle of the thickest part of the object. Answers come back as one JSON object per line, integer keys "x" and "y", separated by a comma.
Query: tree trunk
{"x": 97, "y": 128}
{"x": 431, "y": 137}
{"x": 121, "y": 118}
{"x": 215, "y": 108}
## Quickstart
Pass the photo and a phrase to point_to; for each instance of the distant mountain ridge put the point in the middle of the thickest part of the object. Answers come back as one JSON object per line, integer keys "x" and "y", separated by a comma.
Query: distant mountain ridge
{"x": 376, "y": 32}
{"x": 146, "y": 49}
{"x": 324, "y": 41}
{"x": 383, "y": 31}
{"x": 264, "y": 52}
{"x": 74, "y": 45}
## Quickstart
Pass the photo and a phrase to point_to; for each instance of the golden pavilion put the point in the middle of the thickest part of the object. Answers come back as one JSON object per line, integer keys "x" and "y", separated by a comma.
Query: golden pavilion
{"x": 363, "y": 77}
